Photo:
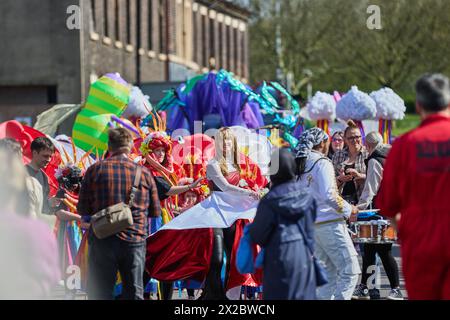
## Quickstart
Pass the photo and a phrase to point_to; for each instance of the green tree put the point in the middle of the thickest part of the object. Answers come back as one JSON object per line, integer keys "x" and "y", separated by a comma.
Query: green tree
{"x": 333, "y": 41}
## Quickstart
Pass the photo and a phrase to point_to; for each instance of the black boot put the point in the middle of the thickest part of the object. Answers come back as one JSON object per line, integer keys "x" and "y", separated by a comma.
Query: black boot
{"x": 213, "y": 289}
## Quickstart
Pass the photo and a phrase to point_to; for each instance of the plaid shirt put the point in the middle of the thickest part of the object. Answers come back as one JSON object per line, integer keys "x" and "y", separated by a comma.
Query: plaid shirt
{"x": 341, "y": 158}
{"x": 109, "y": 182}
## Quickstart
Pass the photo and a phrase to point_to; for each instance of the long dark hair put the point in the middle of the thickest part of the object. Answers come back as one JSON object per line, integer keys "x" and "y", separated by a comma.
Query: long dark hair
{"x": 301, "y": 165}
{"x": 287, "y": 167}
{"x": 331, "y": 151}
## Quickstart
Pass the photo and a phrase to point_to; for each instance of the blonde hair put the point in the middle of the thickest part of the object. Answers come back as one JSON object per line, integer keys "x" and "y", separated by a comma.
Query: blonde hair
{"x": 374, "y": 138}
{"x": 350, "y": 126}
{"x": 222, "y": 134}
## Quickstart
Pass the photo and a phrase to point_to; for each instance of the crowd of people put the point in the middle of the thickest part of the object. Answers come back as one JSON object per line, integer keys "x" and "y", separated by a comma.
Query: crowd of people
{"x": 188, "y": 218}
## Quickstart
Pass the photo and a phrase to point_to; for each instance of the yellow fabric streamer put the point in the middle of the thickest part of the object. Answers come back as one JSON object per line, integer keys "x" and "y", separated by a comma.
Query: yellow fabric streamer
{"x": 165, "y": 216}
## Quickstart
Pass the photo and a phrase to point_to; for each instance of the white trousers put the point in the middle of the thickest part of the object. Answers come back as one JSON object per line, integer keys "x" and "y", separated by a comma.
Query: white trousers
{"x": 335, "y": 250}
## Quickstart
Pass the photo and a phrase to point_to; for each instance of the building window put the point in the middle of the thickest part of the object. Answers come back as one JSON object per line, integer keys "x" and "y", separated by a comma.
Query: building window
{"x": 220, "y": 61}
{"x": 93, "y": 16}
{"x": 105, "y": 18}
{"x": 188, "y": 39}
{"x": 178, "y": 34}
{"x": 212, "y": 39}
{"x": 128, "y": 13}
{"x": 195, "y": 35}
{"x": 204, "y": 44}
{"x": 235, "y": 50}
{"x": 243, "y": 54}
{"x": 150, "y": 25}
{"x": 117, "y": 21}
{"x": 162, "y": 26}
{"x": 228, "y": 44}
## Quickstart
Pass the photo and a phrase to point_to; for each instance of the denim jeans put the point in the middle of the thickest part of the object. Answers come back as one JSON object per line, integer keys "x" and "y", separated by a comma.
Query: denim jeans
{"x": 106, "y": 257}
{"x": 335, "y": 250}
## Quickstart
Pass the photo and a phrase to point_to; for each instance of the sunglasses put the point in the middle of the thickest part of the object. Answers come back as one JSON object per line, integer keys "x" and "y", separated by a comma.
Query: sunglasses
{"x": 338, "y": 140}
{"x": 353, "y": 138}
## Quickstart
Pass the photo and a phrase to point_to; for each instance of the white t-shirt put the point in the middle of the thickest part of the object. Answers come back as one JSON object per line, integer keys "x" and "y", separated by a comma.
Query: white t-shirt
{"x": 36, "y": 195}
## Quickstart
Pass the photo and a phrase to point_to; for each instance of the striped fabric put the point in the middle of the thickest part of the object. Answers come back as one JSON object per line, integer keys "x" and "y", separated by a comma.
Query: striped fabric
{"x": 109, "y": 182}
{"x": 107, "y": 97}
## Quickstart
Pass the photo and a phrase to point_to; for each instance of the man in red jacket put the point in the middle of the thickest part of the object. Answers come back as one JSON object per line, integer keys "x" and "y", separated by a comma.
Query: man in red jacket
{"x": 416, "y": 186}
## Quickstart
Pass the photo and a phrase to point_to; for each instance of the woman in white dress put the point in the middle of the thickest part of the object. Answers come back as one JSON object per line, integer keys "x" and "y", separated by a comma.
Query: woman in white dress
{"x": 211, "y": 227}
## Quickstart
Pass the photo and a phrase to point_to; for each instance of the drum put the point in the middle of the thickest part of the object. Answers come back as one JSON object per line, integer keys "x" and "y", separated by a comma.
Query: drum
{"x": 374, "y": 231}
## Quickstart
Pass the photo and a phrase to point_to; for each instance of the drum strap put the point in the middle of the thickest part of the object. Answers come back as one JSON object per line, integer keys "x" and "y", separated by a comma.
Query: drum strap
{"x": 314, "y": 164}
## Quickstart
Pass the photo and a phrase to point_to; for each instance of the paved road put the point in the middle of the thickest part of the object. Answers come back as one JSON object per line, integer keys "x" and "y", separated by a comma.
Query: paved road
{"x": 59, "y": 293}
{"x": 384, "y": 283}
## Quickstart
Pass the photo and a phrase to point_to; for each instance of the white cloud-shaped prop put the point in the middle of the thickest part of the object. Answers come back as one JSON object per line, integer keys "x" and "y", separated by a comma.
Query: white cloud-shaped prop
{"x": 138, "y": 105}
{"x": 356, "y": 105}
{"x": 389, "y": 104}
{"x": 322, "y": 106}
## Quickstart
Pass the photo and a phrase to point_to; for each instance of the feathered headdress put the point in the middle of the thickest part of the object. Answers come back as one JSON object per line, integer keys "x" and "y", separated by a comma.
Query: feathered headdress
{"x": 156, "y": 140}
{"x": 71, "y": 171}
{"x": 154, "y": 137}
{"x": 69, "y": 176}
{"x": 194, "y": 167}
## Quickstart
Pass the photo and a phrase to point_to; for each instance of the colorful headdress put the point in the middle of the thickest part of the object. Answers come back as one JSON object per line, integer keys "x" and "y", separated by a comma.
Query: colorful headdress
{"x": 72, "y": 168}
{"x": 202, "y": 191}
{"x": 69, "y": 176}
{"x": 155, "y": 137}
{"x": 194, "y": 167}
{"x": 156, "y": 140}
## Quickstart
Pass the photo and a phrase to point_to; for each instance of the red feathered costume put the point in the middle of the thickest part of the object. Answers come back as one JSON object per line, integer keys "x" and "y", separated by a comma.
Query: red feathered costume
{"x": 186, "y": 253}
{"x": 25, "y": 136}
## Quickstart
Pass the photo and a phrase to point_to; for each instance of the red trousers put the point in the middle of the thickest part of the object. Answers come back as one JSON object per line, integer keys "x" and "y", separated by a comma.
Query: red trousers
{"x": 426, "y": 272}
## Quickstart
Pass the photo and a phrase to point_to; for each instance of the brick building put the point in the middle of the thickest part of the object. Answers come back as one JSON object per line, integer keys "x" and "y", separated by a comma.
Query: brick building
{"x": 53, "y": 49}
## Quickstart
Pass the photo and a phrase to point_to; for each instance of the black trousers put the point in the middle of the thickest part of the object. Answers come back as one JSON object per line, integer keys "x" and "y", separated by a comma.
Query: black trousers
{"x": 191, "y": 292}
{"x": 223, "y": 242}
{"x": 165, "y": 287}
{"x": 385, "y": 253}
{"x": 106, "y": 257}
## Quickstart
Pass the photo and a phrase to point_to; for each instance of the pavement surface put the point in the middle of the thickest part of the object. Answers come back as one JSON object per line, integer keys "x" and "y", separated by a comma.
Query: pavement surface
{"x": 382, "y": 284}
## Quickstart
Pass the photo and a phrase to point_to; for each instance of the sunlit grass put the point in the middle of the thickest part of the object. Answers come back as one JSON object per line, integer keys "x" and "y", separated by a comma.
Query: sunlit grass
{"x": 410, "y": 122}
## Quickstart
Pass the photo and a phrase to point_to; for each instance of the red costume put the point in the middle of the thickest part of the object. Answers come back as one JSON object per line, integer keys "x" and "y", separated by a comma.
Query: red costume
{"x": 186, "y": 253}
{"x": 416, "y": 183}
{"x": 25, "y": 136}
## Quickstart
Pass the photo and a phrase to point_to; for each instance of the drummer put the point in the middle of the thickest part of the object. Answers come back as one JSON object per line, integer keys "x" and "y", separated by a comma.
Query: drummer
{"x": 374, "y": 164}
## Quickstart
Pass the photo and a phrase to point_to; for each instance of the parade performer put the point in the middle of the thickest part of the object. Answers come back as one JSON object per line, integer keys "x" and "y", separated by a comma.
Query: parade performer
{"x": 192, "y": 245}
{"x": 187, "y": 200}
{"x": 334, "y": 246}
{"x": 156, "y": 148}
{"x": 68, "y": 224}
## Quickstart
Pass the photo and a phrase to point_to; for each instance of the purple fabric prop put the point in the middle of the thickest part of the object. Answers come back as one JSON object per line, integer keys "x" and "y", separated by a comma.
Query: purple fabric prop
{"x": 116, "y": 77}
{"x": 209, "y": 98}
{"x": 300, "y": 127}
{"x": 249, "y": 117}
{"x": 178, "y": 115}
{"x": 125, "y": 125}
{"x": 257, "y": 112}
